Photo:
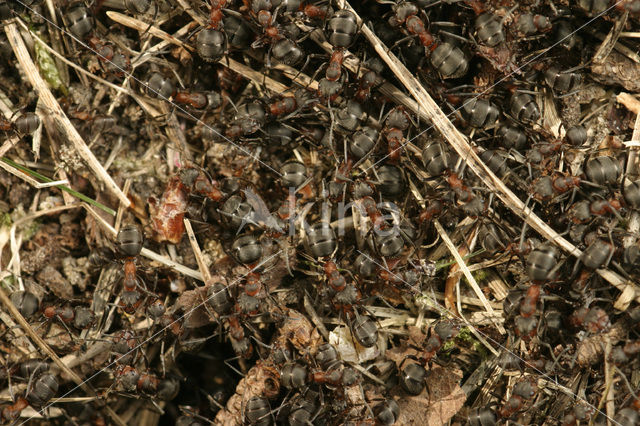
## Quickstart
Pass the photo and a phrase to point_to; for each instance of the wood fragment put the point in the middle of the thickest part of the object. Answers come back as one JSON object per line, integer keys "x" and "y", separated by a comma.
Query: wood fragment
{"x": 137, "y": 24}
{"x": 611, "y": 39}
{"x": 630, "y": 102}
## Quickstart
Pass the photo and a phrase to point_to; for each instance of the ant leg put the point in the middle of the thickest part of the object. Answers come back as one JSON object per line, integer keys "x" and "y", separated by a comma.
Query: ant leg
{"x": 228, "y": 364}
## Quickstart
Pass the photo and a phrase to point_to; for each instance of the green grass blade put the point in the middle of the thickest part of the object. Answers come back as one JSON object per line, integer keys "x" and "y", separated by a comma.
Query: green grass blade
{"x": 65, "y": 188}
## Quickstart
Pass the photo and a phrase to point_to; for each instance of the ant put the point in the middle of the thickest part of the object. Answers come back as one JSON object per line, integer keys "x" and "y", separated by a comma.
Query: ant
{"x": 396, "y": 124}
{"x": 448, "y": 59}
{"x": 81, "y": 24}
{"x": 146, "y": 383}
{"x": 413, "y": 375}
{"x": 129, "y": 244}
{"x": 211, "y": 43}
{"x": 11, "y": 413}
{"x": 25, "y": 124}
{"x": 81, "y": 317}
{"x": 199, "y": 100}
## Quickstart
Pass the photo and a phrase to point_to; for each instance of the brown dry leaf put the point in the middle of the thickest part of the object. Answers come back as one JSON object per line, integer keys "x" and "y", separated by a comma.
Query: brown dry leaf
{"x": 417, "y": 336}
{"x": 188, "y": 300}
{"x": 400, "y": 353}
{"x": 436, "y": 407}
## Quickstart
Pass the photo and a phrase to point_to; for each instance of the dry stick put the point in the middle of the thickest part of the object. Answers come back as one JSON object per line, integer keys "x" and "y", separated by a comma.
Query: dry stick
{"x": 465, "y": 270}
{"x": 64, "y": 125}
{"x": 8, "y": 144}
{"x": 621, "y": 48}
{"x": 175, "y": 134}
{"x": 308, "y": 306}
{"x": 609, "y": 394}
{"x": 610, "y": 41}
{"x": 190, "y": 11}
{"x": 253, "y": 75}
{"x": 148, "y": 53}
{"x": 56, "y": 41}
{"x": 137, "y": 24}
{"x": 47, "y": 350}
{"x": 20, "y": 174}
{"x": 21, "y": 342}
{"x": 36, "y": 139}
{"x": 204, "y": 269}
{"x": 458, "y": 141}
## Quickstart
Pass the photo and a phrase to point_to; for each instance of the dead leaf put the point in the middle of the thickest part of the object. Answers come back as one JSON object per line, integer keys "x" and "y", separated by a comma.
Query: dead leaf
{"x": 437, "y": 404}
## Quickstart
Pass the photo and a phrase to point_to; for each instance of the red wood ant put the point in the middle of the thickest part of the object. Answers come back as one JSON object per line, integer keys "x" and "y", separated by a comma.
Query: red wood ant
{"x": 80, "y": 316}
{"x": 116, "y": 62}
{"x": 526, "y": 323}
{"x": 396, "y": 124}
{"x": 522, "y": 392}
{"x": 594, "y": 320}
{"x": 211, "y": 42}
{"x": 129, "y": 243}
{"x": 241, "y": 344}
{"x": 144, "y": 382}
{"x": 449, "y": 60}
{"x": 199, "y": 100}
{"x": 335, "y": 279}
{"x": 12, "y": 412}
{"x": 23, "y": 125}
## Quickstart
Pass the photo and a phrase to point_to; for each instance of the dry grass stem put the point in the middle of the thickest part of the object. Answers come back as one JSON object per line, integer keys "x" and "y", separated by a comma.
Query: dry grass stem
{"x": 137, "y": 24}
{"x": 465, "y": 270}
{"x": 611, "y": 39}
{"x": 204, "y": 269}
{"x": 621, "y": 48}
